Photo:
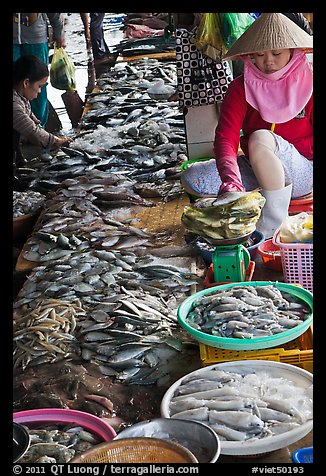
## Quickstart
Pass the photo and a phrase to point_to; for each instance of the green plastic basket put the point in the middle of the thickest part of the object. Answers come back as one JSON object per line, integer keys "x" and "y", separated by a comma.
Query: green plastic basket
{"x": 232, "y": 343}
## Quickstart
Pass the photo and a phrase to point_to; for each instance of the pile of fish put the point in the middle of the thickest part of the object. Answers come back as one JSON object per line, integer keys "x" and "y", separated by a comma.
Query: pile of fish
{"x": 79, "y": 217}
{"x": 96, "y": 293}
{"x": 98, "y": 303}
{"x": 46, "y": 333}
{"x": 232, "y": 215}
{"x": 52, "y": 444}
{"x": 71, "y": 219}
{"x": 130, "y": 337}
{"x": 92, "y": 275}
{"x": 240, "y": 406}
{"x": 143, "y": 46}
{"x": 138, "y": 76}
{"x": 247, "y": 312}
{"x": 124, "y": 131}
{"x": 25, "y": 203}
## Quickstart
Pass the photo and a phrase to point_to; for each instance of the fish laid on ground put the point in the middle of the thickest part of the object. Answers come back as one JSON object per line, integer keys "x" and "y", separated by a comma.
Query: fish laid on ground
{"x": 25, "y": 203}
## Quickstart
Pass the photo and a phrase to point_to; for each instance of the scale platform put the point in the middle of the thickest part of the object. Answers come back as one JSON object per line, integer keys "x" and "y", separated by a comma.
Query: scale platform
{"x": 230, "y": 259}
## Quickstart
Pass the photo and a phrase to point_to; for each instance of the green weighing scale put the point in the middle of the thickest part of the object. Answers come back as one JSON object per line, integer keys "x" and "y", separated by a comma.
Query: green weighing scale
{"x": 230, "y": 260}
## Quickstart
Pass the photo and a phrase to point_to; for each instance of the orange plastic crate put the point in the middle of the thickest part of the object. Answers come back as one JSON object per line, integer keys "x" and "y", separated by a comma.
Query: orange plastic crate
{"x": 298, "y": 352}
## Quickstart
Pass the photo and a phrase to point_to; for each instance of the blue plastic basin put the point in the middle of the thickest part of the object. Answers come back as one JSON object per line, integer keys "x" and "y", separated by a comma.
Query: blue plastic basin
{"x": 303, "y": 455}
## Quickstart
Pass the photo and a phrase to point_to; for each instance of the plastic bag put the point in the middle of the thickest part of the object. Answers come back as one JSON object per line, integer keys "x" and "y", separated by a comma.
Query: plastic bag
{"x": 62, "y": 71}
{"x": 234, "y": 25}
{"x": 209, "y": 37}
{"x": 297, "y": 228}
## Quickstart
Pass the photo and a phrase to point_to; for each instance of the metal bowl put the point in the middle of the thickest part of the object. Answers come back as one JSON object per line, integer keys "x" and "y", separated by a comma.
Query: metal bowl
{"x": 197, "y": 437}
{"x": 229, "y": 241}
{"x": 251, "y": 244}
{"x": 21, "y": 441}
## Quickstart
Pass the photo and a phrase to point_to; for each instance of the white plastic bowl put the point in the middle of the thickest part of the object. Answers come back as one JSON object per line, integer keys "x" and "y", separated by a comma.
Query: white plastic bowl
{"x": 254, "y": 446}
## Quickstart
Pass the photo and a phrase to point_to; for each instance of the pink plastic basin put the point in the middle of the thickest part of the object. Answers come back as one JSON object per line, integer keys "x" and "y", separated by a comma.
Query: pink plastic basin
{"x": 89, "y": 422}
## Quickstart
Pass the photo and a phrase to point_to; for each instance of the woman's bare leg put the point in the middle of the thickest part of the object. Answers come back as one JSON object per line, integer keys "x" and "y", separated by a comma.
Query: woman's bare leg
{"x": 265, "y": 164}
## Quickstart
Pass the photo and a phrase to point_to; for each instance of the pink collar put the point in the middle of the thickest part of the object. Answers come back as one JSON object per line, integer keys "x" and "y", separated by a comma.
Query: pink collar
{"x": 279, "y": 96}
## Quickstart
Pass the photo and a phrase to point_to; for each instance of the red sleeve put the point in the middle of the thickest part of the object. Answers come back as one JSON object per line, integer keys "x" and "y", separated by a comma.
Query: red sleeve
{"x": 233, "y": 111}
{"x": 227, "y": 136}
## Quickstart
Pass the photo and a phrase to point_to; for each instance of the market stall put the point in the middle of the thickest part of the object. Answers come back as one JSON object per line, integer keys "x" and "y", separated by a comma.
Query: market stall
{"x": 109, "y": 262}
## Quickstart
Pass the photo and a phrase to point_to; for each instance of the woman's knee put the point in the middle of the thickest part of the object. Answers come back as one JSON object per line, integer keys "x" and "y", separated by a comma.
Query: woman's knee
{"x": 262, "y": 137}
{"x": 260, "y": 141}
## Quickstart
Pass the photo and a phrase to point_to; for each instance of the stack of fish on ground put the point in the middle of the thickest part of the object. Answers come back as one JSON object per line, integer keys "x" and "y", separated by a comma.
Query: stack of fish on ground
{"x": 46, "y": 333}
{"x": 75, "y": 307}
{"x": 89, "y": 259}
{"x": 78, "y": 217}
{"x": 124, "y": 131}
{"x": 25, "y": 203}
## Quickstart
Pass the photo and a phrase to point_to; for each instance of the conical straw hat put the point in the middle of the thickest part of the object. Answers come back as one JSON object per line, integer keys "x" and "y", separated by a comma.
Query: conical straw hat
{"x": 271, "y": 31}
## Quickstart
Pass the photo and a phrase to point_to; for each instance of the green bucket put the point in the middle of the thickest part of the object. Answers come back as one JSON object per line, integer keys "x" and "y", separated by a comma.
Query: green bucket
{"x": 185, "y": 165}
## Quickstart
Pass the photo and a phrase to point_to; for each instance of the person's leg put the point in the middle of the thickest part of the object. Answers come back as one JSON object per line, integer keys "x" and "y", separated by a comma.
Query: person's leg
{"x": 276, "y": 162}
{"x": 39, "y": 105}
{"x": 99, "y": 46}
{"x": 263, "y": 160}
{"x": 281, "y": 172}
{"x": 297, "y": 169}
{"x": 201, "y": 179}
{"x": 16, "y": 52}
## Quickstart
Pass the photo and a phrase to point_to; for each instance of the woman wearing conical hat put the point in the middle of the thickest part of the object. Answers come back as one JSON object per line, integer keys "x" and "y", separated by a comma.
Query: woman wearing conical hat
{"x": 271, "y": 106}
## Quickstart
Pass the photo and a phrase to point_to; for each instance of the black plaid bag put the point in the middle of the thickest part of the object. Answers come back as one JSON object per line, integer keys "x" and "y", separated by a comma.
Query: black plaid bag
{"x": 200, "y": 80}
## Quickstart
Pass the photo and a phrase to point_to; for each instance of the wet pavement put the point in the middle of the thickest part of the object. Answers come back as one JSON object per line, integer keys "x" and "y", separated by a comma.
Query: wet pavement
{"x": 76, "y": 49}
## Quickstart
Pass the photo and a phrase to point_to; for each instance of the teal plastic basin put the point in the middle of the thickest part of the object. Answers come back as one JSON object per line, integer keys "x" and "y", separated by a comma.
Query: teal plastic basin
{"x": 231, "y": 343}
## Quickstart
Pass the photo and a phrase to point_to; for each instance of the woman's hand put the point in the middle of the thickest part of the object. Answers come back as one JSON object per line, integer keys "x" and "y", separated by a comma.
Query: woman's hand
{"x": 60, "y": 42}
{"x": 230, "y": 187}
{"x": 62, "y": 140}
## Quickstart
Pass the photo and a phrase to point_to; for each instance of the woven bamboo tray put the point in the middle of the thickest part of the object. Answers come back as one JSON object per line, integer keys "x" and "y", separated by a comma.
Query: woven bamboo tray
{"x": 137, "y": 450}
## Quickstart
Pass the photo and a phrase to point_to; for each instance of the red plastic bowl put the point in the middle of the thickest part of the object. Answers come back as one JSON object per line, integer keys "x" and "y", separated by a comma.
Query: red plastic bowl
{"x": 89, "y": 422}
{"x": 270, "y": 255}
